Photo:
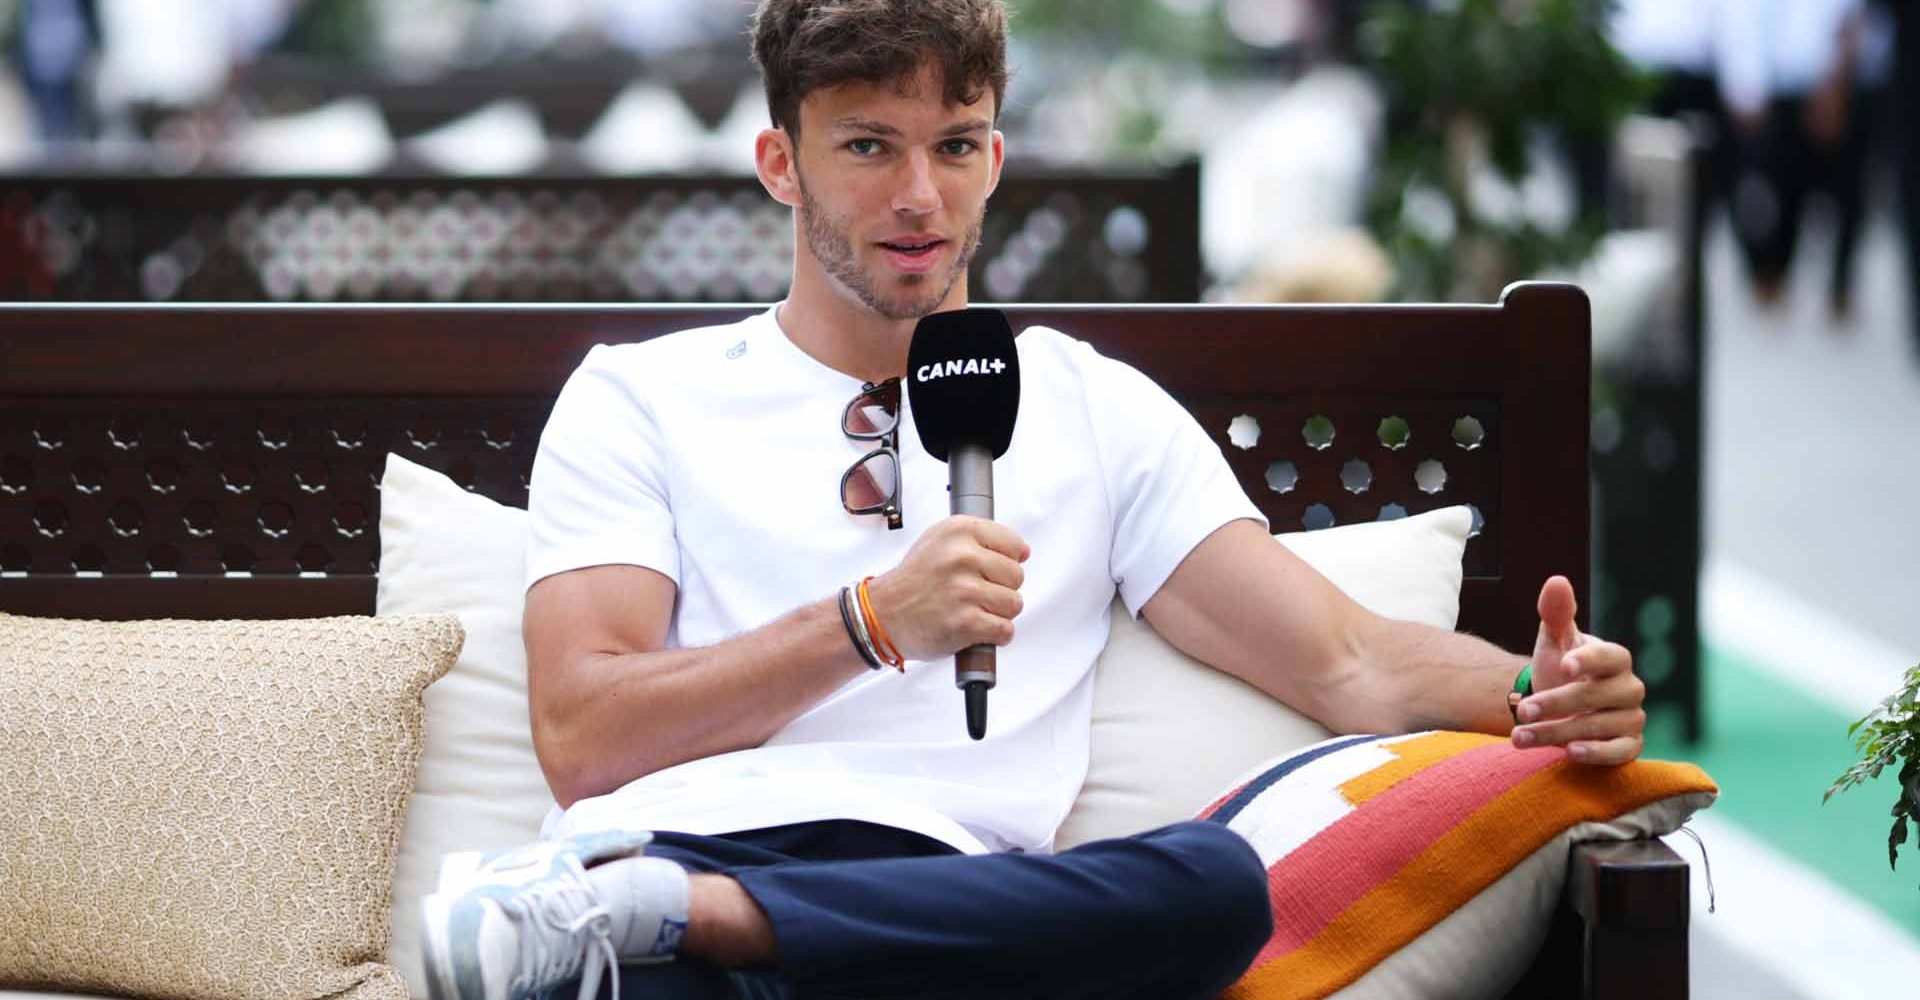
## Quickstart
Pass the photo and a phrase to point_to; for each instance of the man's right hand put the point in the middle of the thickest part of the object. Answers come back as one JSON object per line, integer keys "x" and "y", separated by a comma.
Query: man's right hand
{"x": 611, "y": 703}
{"x": 958, "y": 586}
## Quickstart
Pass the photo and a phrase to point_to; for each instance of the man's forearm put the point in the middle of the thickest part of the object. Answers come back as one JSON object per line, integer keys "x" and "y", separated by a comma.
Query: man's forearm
{"x": 1427, "y": 678}
{"x": 643, "y": 712}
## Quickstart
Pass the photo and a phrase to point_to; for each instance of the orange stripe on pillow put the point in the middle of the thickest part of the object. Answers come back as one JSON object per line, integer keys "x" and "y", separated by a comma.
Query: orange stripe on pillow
{"x": 1363, "y": 849}
{"x": 1411, "y": 756}
{"x": 1459, "y": 865}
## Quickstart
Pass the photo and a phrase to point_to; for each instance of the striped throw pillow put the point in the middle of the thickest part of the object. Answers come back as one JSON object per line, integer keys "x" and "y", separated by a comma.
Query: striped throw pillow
{"x": 1428, "y": 865}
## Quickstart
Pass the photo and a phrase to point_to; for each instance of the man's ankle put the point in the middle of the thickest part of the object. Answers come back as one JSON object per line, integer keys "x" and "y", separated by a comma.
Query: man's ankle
{"x": 725, "y": 926}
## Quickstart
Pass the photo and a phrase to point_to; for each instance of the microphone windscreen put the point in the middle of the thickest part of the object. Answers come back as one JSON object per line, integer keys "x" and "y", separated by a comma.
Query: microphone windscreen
{"x": 963, "y": 380}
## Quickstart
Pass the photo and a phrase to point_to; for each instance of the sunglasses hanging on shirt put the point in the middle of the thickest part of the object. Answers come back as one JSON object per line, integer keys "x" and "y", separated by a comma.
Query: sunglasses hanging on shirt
{"x": 872, "y": 485}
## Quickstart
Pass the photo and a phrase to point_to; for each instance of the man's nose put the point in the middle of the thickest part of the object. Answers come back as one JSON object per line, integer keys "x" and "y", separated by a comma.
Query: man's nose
{"x": 916, "y": 193}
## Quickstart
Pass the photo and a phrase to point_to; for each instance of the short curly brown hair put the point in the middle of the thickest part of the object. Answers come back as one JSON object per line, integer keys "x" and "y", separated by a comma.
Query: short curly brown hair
{"x": 804, "y": 45}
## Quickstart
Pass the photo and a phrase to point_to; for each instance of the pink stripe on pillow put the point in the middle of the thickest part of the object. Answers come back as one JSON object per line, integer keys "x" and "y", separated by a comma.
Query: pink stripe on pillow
{"x": 1346, "y": 860}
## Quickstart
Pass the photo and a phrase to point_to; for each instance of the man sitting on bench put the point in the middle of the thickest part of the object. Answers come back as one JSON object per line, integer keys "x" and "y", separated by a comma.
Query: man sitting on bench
{"x": 746, "y": 806}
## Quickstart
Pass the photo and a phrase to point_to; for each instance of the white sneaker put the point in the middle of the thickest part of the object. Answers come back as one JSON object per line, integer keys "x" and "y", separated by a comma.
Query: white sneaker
{"x": 512, "y": 924}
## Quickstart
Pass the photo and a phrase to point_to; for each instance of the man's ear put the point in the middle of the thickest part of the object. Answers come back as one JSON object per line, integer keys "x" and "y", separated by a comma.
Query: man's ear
{"x": 998, "y": 145}
{"x": 775, "y": 160}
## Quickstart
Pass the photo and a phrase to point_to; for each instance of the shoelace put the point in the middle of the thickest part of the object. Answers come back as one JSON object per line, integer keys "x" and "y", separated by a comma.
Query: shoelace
{"x": 551, "y": 949}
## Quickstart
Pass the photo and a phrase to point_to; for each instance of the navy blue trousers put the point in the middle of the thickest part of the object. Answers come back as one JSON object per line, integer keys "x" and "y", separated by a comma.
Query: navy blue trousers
{"x": 865, "y": 911}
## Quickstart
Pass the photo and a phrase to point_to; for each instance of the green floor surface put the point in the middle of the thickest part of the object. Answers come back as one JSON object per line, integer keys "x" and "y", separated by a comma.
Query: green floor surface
{"x": 1774, "y": 751}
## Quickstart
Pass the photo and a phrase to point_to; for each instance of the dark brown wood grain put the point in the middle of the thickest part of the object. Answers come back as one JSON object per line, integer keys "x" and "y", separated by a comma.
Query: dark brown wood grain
{"x": 426, "y": 382}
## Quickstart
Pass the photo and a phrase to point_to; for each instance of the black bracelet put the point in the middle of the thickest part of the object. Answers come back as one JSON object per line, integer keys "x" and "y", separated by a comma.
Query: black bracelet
{"x": 846, "y": 619}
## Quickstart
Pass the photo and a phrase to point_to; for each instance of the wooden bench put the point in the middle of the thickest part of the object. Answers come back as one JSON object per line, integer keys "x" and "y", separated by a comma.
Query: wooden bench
{"x": 222, "y": 461}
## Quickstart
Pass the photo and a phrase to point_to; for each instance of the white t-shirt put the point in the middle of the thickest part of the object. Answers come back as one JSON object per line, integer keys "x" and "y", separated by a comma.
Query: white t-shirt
{"x": 714, "y": 457}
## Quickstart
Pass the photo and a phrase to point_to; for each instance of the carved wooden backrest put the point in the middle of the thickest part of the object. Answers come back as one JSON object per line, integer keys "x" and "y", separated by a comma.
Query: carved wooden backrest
{"x": 223, "y": 461}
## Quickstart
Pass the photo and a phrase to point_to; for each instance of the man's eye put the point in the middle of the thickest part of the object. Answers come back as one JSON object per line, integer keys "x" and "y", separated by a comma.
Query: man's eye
{"x": 864, "y": 147}
{"x": 959, "y": 147}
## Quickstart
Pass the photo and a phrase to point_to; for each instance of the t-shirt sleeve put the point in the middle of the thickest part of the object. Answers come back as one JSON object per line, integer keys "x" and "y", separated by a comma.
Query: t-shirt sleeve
{"x": 1168, "y": 485}
{"x": 598, "y": 495}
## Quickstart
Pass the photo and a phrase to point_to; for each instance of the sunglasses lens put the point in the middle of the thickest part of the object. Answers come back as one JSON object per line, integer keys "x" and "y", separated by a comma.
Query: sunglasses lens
{"x": 869, "y": 485}
{"x": 874, "y": 412}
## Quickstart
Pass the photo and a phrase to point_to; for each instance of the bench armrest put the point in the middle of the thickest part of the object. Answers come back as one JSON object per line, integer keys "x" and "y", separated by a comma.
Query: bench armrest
{"x": 1631, "y": 896}
{"x": 1620, "y": 931}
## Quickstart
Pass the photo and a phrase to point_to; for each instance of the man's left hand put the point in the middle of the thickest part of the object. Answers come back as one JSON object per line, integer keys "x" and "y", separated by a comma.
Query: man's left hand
{"x": 1585, "y": 695}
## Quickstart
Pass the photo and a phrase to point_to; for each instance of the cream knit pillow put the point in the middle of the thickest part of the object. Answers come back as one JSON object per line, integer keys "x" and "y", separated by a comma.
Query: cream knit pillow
{"x": 207, "y": 810}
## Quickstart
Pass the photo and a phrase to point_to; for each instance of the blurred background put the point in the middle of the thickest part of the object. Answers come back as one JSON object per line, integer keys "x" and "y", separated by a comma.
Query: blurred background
{"x": 1734, "y": 182}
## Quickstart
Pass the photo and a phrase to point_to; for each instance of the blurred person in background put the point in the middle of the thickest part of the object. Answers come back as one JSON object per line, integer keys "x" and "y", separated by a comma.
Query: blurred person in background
{"x": 1906, "y": 81}
{"x": 1788, "y": 73}
{"x": 1679, "y": 45}
{"x": 54, "y": 49}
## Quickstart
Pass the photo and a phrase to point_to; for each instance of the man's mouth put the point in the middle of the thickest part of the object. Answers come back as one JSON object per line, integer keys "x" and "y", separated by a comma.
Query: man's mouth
{"x": 912, "y": 248}
{"x": 914, "y": 255}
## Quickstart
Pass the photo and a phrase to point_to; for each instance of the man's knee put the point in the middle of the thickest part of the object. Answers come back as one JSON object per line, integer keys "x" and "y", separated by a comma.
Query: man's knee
{"x": 1220, "y": 909}
{"x": 1230, "y": 883}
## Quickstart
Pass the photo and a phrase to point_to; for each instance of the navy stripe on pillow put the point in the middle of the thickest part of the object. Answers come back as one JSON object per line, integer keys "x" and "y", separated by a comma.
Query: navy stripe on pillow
{"x": 1231, "y": 808}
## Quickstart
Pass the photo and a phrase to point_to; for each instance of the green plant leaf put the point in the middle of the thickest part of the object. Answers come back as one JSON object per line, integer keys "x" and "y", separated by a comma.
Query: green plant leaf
{"x": 1890, "y": 736}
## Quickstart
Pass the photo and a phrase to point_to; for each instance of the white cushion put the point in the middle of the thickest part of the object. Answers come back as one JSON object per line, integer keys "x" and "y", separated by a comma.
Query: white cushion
{"x": 479, "y": 785}
{"x": 1169, "y": 731}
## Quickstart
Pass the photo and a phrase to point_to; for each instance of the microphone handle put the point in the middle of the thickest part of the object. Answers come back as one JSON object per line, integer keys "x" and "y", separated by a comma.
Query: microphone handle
{"x": 970, "y": 485}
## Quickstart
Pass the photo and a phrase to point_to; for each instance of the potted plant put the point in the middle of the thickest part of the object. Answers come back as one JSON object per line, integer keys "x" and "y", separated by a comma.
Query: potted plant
{"x": 1889, "y": 736}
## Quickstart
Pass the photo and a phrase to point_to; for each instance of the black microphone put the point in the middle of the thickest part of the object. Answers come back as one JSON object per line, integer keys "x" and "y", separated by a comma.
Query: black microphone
{"x": 963, "y": 383}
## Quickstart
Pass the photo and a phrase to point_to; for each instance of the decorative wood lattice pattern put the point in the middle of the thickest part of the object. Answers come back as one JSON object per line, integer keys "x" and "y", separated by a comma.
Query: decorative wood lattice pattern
{"x": 288, "y": 488}
{"x": 1316, "y": 463}
{"x": 267, "y": 488}
{"x": 1049, "y": 237}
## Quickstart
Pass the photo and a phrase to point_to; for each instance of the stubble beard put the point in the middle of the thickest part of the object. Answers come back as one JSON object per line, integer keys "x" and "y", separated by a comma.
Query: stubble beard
{"x": 827, "y": 239}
